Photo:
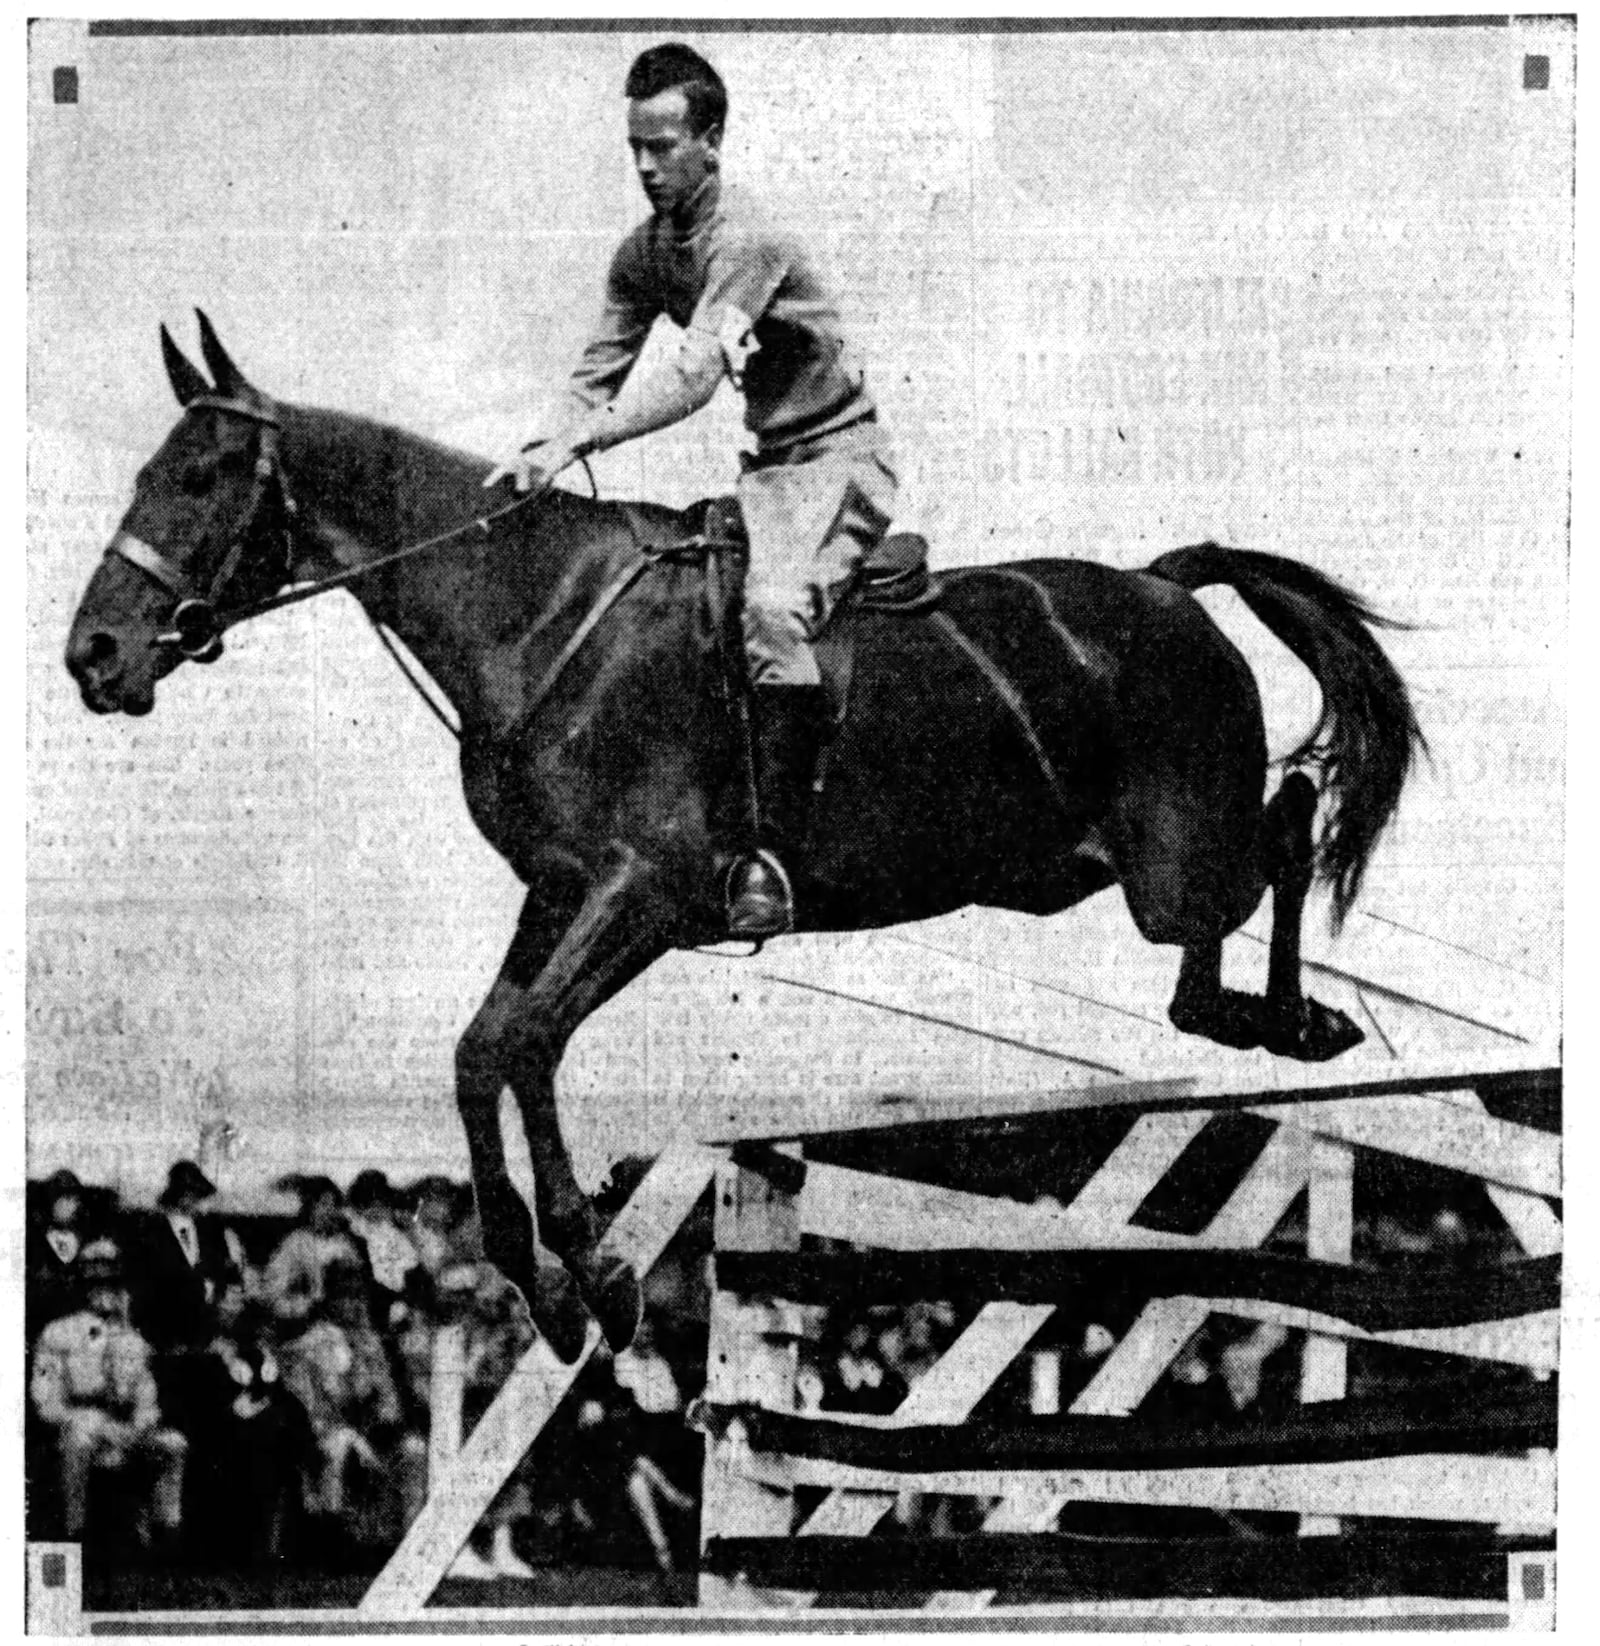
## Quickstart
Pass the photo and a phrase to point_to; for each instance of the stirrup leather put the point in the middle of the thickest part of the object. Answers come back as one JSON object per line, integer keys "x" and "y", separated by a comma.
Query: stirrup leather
{"x": 757, "y": 910}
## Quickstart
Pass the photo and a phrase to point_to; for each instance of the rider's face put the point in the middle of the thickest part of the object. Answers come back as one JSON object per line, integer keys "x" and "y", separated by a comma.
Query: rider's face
{"x": 672, "y": 160}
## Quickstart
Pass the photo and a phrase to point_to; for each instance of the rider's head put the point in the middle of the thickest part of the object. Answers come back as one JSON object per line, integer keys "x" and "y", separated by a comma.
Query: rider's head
{"x": 677, "y": 106}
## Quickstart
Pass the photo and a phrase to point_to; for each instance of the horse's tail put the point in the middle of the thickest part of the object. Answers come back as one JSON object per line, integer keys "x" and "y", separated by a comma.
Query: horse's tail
{"x": 1367, "y": 736}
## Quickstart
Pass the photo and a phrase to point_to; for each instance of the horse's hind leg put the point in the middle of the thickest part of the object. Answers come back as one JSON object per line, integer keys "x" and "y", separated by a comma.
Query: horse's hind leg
{"x": 1293, "y": 1024}
{"x": 1283, "y": 1021}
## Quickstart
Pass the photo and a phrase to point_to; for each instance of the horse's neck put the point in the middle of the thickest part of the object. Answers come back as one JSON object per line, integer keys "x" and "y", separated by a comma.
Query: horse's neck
{"x": 366, "y": 491}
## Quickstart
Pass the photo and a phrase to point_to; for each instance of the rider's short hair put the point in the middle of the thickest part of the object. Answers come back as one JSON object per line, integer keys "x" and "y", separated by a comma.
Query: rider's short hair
{"x": 662, "y": 68}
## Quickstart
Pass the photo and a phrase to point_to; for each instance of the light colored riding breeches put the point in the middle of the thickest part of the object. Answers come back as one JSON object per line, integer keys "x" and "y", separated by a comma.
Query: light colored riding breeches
{"x": 812, "y": 519}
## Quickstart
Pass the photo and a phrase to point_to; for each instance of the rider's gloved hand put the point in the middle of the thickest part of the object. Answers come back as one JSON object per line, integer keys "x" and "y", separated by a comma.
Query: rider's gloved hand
{"x": 537, "y": 463}
{"x": 518, "y": 467}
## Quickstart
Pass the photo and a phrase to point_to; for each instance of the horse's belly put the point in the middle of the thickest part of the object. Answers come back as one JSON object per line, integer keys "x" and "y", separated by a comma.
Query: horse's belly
{"x": 975, "y": 750}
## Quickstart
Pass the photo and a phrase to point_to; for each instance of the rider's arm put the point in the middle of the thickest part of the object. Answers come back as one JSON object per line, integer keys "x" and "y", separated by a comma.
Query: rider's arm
{"x": 743, "y": 273}
{"x": 671, "y": 392}
{"x": 616, "y": 340}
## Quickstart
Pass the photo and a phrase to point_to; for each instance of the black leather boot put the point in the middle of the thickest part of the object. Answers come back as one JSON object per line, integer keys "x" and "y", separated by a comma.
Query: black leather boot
{"x": 790, "y": 724}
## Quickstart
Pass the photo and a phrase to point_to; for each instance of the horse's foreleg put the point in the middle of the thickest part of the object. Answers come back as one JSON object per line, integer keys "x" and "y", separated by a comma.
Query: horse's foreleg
{"x": 482, "y": 1073}
{"x": 621, "y": 928}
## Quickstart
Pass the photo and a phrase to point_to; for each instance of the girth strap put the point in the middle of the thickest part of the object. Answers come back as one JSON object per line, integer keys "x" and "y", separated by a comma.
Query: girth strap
{"x": 613, "y": 592}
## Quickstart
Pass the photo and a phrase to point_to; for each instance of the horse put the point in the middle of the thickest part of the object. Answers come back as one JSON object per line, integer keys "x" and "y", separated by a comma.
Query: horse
{"x": 1044, "y": 730}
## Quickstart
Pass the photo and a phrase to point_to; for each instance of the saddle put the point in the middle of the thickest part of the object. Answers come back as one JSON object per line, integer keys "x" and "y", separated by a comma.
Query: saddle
{"x": 894, "y": 582}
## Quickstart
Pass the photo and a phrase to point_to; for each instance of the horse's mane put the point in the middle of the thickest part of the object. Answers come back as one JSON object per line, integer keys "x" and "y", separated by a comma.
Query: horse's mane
{"x": 356, "y": 443}
{"x": 379, "y": 455}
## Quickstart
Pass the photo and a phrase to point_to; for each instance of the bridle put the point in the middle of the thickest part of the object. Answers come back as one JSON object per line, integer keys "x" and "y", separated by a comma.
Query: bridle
{"x": 197, "y": 625}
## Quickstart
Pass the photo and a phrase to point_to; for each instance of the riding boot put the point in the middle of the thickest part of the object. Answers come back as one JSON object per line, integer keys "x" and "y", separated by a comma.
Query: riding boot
{"x": 790, "y": 724}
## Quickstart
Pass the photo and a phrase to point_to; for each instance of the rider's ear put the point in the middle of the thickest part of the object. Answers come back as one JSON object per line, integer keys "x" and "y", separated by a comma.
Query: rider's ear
{"x": 230, "y": 380}
{"x": 185, "y": 379}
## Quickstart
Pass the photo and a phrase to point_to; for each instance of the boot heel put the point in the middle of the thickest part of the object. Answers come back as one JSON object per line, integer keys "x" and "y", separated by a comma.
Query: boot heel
{"x": 760, "y": 899}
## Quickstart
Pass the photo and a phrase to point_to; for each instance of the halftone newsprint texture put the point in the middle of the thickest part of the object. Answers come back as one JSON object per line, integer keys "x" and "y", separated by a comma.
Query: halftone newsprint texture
{"x": 971, "y": 1286}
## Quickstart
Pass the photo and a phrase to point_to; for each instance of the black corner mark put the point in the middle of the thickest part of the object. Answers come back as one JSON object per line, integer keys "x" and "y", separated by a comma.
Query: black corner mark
{"x": 64, "y": 84}
{"x": 1535, "y": 72}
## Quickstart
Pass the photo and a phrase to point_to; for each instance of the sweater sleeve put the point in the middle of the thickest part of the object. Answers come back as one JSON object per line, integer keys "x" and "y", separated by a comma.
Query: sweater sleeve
{"x": 619, "y": 334}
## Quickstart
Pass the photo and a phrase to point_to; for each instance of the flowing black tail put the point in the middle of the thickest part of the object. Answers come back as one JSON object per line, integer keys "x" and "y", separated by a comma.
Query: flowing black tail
{"x": 1367, "y": 736}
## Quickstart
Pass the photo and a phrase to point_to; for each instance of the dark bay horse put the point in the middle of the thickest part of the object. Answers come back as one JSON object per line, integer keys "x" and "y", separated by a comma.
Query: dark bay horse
{"x": 1049, "y": 729}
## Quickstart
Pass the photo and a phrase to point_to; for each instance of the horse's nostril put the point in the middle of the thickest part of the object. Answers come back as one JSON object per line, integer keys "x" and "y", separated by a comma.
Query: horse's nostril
{"x": 99, "y": 650}
{"x": 93, "y": 658}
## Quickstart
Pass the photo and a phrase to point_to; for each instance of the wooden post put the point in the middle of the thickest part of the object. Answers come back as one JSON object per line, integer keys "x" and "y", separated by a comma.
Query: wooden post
{"x": 446, "y": 1391}
{"x": 753, "y": 1355}
{"x": 1330, "y": 1232}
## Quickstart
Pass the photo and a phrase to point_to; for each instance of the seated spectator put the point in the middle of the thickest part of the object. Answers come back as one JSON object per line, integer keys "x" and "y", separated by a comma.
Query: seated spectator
{"x": 435, "y": 1204}
{"x": 252, "y": 1446}
{"x": 391, "y": 1258}
{"x": 92, "y": 1385}
{"x": 367, "y": 1480}
{"x": 858, "y": 1379}
{"x": 293, "y": 1284}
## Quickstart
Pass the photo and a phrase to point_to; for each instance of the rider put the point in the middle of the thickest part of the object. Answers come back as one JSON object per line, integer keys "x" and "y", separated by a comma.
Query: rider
{"x": 818, "y": 491}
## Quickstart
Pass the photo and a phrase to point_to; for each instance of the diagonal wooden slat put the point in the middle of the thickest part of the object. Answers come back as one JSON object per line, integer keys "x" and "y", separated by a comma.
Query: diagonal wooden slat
{"x": 1159, "y": 1334}
{"x": 526, "y": 1402}
{"x": 950, "y": 1390}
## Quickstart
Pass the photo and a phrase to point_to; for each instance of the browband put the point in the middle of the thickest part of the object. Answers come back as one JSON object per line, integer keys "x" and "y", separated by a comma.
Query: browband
{"x": 240, "y": 408}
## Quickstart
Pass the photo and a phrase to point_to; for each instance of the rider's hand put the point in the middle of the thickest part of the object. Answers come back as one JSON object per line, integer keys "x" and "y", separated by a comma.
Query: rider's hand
{"x": 517, "y": 466}
{"x": 537, "y": 464}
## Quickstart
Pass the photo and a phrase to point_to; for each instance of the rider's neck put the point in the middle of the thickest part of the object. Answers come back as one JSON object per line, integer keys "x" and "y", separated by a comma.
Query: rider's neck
{"x": 688, "y": 217}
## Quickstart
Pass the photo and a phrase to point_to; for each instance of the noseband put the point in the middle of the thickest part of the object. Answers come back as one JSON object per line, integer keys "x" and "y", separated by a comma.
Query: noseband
{"x": 197, "y": 625}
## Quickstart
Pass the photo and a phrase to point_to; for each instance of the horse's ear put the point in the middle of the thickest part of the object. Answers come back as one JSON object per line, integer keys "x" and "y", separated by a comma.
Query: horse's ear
{"x": 186, "y": 379}
{"x": 230, "y": 380}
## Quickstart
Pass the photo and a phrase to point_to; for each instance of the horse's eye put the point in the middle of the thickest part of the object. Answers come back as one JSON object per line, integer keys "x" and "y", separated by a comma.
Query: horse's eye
{"x": 198, "y": 478}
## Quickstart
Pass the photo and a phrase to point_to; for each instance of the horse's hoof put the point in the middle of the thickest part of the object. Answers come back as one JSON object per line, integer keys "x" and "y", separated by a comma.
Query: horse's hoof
{"x": 559, "y": 1313}
{"x": 1229, "y": 1018}
{"x": 614, "y": 1295}
{"x": 1328, "y": 1033}
{"x": 1314, "y": 1034}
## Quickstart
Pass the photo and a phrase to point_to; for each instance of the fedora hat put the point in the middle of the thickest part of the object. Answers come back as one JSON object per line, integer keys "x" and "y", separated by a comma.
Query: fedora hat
{"x": 186, "y": 1182}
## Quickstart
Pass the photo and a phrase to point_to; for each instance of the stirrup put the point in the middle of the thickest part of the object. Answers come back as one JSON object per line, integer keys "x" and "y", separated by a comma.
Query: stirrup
{"x": 763, "y": 906}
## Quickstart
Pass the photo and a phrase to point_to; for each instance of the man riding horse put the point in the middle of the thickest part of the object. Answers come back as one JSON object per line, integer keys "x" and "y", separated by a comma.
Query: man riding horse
{"x": 818, "y": 492}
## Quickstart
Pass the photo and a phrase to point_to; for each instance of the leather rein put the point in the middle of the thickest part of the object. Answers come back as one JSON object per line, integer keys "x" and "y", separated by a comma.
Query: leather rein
{"x": 198, "y": 624}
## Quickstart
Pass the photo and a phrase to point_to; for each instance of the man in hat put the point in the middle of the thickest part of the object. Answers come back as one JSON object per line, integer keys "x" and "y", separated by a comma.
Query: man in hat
{"x": 92, "y": 1386}
{"x": 55, "y": 1239}
{"x": 818, "y": 493}
{"x": 179, "y": 1262}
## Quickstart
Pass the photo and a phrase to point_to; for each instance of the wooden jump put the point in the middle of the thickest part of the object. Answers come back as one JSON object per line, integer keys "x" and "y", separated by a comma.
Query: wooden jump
{"x": 754, "y": 1555}
{"x": 1494, "y": 1469}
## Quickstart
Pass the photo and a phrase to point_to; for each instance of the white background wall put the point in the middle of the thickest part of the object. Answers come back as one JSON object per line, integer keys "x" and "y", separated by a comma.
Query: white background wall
{"x": 1307, "y": 291}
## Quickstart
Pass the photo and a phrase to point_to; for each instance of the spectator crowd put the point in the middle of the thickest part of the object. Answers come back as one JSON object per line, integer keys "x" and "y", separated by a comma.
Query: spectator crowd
{"x": 229, "y": 1393}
